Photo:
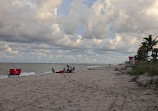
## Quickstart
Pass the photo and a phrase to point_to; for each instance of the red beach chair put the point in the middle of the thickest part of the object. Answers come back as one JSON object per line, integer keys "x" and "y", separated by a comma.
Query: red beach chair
{"x": 17, "y": 72}
{"x": 11, "y": 72}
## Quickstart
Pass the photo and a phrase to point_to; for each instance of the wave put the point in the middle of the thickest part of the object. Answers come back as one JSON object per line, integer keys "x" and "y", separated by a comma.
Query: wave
{"x": 27, "y": 73}
{"x": 95, "y": 66}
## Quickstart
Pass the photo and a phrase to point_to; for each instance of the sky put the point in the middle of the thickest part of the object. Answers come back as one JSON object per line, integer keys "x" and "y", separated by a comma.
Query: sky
{"x": 74, "y": 31}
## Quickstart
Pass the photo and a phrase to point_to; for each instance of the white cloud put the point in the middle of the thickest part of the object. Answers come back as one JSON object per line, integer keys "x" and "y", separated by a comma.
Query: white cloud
{"x": 34, "y": 28}
{"x": 152, "y": 10}
{"x": 117, "y": 42}
{"x": 48, "y": 9}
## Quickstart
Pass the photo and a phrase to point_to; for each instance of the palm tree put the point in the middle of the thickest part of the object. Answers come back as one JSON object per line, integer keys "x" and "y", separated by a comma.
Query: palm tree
{"x": 149, "y": 42}
{"x": 142, "y": 52}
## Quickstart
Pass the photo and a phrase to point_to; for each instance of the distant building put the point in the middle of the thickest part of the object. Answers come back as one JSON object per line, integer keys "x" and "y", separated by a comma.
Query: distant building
{"x": 132, "y": 60}
{"x": 150, "y": 55}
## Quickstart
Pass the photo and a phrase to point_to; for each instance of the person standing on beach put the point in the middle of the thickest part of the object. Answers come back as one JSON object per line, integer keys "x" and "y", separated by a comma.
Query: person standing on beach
{"x": 53, "y": 70}
{"x": 70, "y": 69}
{"x": 67, "y": 68}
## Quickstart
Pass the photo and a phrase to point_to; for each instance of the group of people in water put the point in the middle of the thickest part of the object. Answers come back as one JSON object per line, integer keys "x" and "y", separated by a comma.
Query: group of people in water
{"x": 69, "y": 70}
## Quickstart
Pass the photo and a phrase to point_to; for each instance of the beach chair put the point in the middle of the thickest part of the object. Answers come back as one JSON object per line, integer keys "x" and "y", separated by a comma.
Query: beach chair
{"x": 11, "y": 72}
{"x": 14, "y": 72}
{"x": 17, "y": 72}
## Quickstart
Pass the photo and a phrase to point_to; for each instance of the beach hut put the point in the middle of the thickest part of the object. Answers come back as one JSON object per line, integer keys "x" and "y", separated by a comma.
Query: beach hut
{"x": 132, "y": 60}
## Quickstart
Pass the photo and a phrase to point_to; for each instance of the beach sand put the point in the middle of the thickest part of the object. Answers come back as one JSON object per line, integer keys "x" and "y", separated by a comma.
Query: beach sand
{"x": 95, "y": 89}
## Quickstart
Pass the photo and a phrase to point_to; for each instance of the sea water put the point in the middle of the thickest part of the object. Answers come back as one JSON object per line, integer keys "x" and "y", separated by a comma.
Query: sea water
{"x": 40, "y": 68}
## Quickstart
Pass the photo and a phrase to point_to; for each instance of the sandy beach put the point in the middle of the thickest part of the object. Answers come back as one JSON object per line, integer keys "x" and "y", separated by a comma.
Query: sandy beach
{"x": 95, "y": 89}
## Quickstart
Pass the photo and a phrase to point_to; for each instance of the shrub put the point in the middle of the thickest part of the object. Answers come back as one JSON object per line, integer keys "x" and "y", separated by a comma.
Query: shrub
{"x": 138, "y": 69}
{"x": 153, "y": 71}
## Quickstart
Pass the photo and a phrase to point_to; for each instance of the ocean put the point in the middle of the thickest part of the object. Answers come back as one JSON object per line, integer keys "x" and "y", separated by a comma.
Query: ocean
{"x": 40, "y": 68}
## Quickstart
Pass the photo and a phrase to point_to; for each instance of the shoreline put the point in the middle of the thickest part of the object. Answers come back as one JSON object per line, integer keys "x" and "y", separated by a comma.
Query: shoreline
{"x": 25, "y": 74}
{"x": 91, "y": 89}
{"x": 40, "y": 68}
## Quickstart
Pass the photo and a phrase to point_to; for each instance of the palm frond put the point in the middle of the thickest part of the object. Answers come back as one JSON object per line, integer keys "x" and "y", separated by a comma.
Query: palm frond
{"x": 146, "y": 38}
{"x": 155, "y": 39}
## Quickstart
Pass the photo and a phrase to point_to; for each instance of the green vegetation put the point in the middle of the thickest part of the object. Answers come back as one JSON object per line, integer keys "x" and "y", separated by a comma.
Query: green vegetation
{"x": 145, "y": 66}
{"x": 149, "y": 42}
{"x": 153, "y": 71}
{"x": 149, "y": 67}
{"x": 146, "y": 46}
{"x": 142, "y": 64}
{"x": 138, "y": 69}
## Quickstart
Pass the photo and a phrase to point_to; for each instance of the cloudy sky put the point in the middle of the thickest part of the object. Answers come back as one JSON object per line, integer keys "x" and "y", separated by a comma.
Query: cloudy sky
{"x": 74, "y": 31}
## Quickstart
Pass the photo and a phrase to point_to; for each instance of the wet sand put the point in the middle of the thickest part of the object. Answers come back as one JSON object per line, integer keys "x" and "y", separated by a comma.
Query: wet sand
{"x": 95, "y": 89}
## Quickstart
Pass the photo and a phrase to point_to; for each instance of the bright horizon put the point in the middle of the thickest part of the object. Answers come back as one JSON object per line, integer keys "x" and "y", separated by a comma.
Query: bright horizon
{"x": 74, "y": 31}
